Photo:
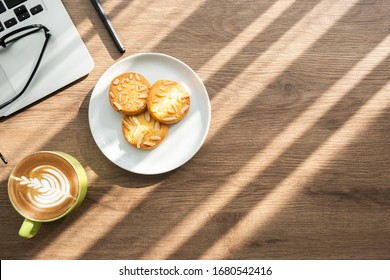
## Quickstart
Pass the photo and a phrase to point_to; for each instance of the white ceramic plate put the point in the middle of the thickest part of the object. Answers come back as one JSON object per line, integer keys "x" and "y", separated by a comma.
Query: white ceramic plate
{"x": 184, "y": 139}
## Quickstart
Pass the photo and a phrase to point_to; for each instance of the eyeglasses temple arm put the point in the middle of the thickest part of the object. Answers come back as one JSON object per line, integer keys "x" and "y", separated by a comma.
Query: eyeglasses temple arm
{"x": 3, "y": 159}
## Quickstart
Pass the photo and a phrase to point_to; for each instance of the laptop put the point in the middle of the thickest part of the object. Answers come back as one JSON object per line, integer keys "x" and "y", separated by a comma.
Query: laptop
{"x": 65, "y": 60}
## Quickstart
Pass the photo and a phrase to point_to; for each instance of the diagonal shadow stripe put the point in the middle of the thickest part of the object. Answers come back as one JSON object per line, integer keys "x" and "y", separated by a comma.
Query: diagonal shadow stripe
{"x": 170, "y": 192}
{"x": 302, "y": 149}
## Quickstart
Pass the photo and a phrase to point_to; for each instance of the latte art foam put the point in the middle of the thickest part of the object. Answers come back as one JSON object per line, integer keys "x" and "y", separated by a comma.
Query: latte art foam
{"x": 52, "y": 190}
{"x": 43, "y": 186}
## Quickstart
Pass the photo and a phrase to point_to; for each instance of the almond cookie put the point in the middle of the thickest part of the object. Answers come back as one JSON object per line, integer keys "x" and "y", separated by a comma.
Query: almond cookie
{"x": 143, "y": 131}
{"x": 128, "y": 93}
{"x": 168, "y": 101}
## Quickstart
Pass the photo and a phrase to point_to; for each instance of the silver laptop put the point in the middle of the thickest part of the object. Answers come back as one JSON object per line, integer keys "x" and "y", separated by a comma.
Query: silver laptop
{"x": 64, "y": 60}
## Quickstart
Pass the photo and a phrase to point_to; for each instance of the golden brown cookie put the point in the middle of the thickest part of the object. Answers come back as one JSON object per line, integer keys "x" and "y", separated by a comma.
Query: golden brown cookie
{"x": 168, "y": 101}
{"x": 128, "y": 93}
{"x": 143, "y": 131}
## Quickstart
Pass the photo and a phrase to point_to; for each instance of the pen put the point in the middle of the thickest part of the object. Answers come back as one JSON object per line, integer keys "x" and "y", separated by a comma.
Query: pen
{"x": 108, "y": 25}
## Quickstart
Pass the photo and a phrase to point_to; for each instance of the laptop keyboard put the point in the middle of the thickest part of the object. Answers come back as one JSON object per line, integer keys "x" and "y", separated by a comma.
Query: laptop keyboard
{"x": 20, "y": 12}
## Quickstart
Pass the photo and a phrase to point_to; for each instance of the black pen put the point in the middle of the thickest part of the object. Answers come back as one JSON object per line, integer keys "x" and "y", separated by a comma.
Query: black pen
{"x": 108, "y": 25}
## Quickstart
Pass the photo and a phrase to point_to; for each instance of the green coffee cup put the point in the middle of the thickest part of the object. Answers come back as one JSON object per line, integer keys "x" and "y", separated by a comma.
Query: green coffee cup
{"x": 44, "y": 187}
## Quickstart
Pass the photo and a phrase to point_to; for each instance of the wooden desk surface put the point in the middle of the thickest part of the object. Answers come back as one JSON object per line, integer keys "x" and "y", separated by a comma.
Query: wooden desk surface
{"x": 296, "y": 162}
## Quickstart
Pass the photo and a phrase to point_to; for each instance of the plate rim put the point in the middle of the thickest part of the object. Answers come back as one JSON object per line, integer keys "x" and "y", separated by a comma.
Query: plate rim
{"x": 208, "y": 109}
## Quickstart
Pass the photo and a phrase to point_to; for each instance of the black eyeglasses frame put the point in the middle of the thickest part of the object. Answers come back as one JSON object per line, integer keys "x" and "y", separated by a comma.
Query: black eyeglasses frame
{"x": 4, "y": 43}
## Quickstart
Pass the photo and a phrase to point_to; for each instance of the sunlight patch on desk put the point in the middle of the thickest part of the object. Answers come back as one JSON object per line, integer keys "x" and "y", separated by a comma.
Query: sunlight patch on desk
{"x": 180, "y": 14}
{"x": 291, "y": 186}
{"x": 279, "y": 57}
{"x": 217, "y": 201}
{"x": 247, "y": 35}
{"x": 91, "y": 220}
{"x": 29, "y": 143}
{"x": 259, "y": 163}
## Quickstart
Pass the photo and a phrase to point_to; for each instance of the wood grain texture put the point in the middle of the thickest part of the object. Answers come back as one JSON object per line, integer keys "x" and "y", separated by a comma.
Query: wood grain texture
{"x": 296, "y": 163}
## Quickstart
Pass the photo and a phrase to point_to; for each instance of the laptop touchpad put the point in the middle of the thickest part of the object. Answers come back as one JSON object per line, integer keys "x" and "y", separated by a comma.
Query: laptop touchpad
{"x": 6, "y": 89}
{"x": 17, "y": 63}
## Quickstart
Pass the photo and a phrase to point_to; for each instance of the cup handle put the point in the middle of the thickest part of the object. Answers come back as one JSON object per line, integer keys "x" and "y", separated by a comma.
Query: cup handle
{"x": 29, "y": 228}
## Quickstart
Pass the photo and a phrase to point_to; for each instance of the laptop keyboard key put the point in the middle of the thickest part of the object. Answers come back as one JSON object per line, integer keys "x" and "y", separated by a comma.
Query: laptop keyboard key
{"x": 36, "y": 9}
{"x": 13, "y": 3}
{"x": 1, "y": 27}
{"x": 11, "y": 22}
{"x": 20, "y": 10}
{"x": 22, "y": 13}
{"x": 23, "y": 16}
{"x": 2, "y": 7}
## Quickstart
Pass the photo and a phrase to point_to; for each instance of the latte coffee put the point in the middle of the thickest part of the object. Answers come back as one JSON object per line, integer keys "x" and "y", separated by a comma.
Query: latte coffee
{"x": 43, "y": 186}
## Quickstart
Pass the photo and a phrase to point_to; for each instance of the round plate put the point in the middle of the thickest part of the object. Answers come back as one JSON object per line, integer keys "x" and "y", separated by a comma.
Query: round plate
{"x": 184, "y": 138}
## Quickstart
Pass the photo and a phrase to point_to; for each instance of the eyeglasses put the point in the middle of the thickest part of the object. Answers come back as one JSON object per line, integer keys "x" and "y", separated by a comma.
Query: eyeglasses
{"x": 10, "y": 38}
{"x": 3, "y": 159}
